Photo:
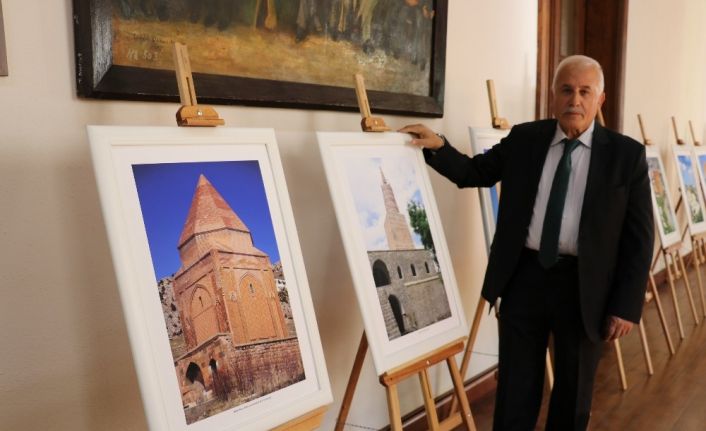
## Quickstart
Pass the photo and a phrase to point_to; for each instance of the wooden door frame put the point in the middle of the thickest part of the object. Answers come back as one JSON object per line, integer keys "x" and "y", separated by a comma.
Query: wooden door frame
{"x": 601, "y": 33}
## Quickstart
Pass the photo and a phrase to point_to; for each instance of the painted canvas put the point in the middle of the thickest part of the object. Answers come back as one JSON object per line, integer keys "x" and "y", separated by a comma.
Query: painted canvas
{"x": 213, "y": 264}
{"x": 483, "y": 139}
{"x": 272, "y": 44}
{"x": 691, "y": 189}
{"x": 665, "y": 216}
{"x": 394, "y": 244}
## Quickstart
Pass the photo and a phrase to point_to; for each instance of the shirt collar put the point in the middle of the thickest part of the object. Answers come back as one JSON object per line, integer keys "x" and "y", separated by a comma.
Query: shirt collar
{"x": 586, "y": 138}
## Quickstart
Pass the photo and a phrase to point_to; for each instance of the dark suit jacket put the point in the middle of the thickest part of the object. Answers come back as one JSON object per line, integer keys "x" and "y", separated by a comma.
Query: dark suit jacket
{"x": 616, "y": 232}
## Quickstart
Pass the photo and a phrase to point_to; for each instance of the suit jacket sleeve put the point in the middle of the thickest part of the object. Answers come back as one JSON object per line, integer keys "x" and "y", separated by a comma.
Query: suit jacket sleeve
{"x": 636, "y": 245}
{"x": 483, "y": 170}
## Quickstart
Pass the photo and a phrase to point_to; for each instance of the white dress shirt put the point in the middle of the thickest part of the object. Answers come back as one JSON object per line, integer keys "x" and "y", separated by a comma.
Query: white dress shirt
{"x": 580, "y": 158}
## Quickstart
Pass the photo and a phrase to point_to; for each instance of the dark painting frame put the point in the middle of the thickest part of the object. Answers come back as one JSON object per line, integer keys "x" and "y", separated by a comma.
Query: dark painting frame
{"x": 98, "y": 78}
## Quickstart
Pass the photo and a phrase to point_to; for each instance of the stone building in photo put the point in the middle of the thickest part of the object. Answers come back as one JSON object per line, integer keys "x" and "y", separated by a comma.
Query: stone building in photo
{"x": 408, "y": 281}
{"x": 237, "y": 346}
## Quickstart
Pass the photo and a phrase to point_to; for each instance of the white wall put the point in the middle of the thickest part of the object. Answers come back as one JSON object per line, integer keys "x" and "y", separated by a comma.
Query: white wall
{"x": 65, "y": 361}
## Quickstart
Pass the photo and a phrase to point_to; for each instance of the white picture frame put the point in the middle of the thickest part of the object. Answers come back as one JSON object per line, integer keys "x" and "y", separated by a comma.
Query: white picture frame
{"x": 483, "y": 139}
{"x": 662, "y": 204}
{"x": 140, "y": 170}
{"x": 690, "y": 188}
{"x": 369, "y": 174}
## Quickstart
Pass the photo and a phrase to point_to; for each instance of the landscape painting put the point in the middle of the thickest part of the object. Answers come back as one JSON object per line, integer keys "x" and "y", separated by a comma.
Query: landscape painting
{"x": 665, "y": 217}
{"x": 691, "y": 190}
{"x": 394, "y": 243}
{"x": 276, "y": 45}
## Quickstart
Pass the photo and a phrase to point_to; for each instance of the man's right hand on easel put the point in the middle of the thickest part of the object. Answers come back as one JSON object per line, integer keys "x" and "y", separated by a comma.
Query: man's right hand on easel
{"x": 423, "y": 136}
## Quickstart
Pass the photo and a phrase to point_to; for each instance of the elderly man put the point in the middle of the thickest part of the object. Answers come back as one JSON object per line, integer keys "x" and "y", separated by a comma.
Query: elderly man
{"x": 572, "y": 248}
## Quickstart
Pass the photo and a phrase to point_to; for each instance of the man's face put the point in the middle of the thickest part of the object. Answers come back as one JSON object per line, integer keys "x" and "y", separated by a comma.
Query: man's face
{"x": 576, "y": 99}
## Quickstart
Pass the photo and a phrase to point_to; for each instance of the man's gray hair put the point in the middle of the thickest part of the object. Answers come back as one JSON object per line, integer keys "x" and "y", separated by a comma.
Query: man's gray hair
{"x": 582, "y": 62}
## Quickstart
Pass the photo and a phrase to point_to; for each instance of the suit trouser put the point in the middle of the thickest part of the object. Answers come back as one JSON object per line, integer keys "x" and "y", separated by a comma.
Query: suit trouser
{"x": 537, "y": 302}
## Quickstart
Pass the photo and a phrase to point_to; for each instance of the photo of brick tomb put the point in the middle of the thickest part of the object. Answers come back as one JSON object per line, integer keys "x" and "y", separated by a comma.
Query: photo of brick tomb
{"x": 399, "y": 244}
{"x": 221, "y": 285}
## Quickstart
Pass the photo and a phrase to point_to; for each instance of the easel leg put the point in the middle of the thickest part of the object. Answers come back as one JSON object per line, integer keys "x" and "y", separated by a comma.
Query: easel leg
{"x": 689, "y": 295}
{"x": 660, "y": 312}
{"x": 673, "y": 290}
{"x": 393, "y": 406}
{"x": 621, "y": 366}
{"x": 475, "y": 326}
{"x": 429, "y": 404}
{"x": 646, "y": 349}
{"x": 352, "y": 382}
{"x": 466, "y": 416}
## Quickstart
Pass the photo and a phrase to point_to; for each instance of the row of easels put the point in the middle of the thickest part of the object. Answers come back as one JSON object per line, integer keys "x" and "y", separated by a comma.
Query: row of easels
{"x": 674, "y": 262}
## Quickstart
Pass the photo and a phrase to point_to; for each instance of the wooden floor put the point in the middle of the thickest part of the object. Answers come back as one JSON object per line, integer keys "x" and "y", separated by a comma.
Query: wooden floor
{"x": 673, "y": 399}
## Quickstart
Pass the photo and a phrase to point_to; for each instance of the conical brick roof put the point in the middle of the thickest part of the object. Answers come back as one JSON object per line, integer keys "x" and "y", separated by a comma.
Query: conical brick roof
{"x": 209, "y": 212}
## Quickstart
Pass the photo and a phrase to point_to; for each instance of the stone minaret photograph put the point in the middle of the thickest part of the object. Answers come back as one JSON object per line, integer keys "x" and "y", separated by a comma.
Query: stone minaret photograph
{"x": 396, "y": 227}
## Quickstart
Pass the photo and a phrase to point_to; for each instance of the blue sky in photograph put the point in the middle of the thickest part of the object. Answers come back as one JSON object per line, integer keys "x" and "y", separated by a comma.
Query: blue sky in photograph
{"x": 687, "y": 170}
{"x": 366, "y": 187}
{"x": 165, "y": 191}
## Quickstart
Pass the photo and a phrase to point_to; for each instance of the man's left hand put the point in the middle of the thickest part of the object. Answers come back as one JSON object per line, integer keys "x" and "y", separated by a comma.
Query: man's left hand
{"x": 616, "y": 327}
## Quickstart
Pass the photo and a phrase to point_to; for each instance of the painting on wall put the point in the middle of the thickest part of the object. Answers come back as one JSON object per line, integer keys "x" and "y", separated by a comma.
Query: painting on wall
{"x": 690, "y": 189}
{"x": 210, "y": 274}
{"x": 483, "y": 139}
{"x": 287, "y": 53}
{"x": 3, "y": 49}
{"x": 394, "y": 244}
{"x": 665, "y": 216}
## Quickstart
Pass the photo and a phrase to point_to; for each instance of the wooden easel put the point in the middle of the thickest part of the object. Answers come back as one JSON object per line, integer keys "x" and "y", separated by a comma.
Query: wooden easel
{"x": 651, "y": 281}
{"x": 418, "y": 366}
{"x": 368, "y": 123}
{"x": 674, "y": 265}
{"x": 693, "y": 135}
{"x": 190, "y": 113}
{"x": 497, "y": 121}
{"x": 696, "y": 239}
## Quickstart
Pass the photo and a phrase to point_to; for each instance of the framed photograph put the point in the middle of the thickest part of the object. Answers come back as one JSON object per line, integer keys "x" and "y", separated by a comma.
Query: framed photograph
{"x": 483, "y": 139}
{"x": 3, "y": 49}
{"x": 690, "y": 189}
{"x": 279, "y": 53}
{"x": 394, "y": 243}
{"x": 700, "y": 160}
{"x": 665, "y": 217}
{"x": 211, "y": 276}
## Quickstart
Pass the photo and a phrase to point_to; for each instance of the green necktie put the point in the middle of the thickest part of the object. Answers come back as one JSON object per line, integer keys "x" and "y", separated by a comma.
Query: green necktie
{"x": 549, "y": 244}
